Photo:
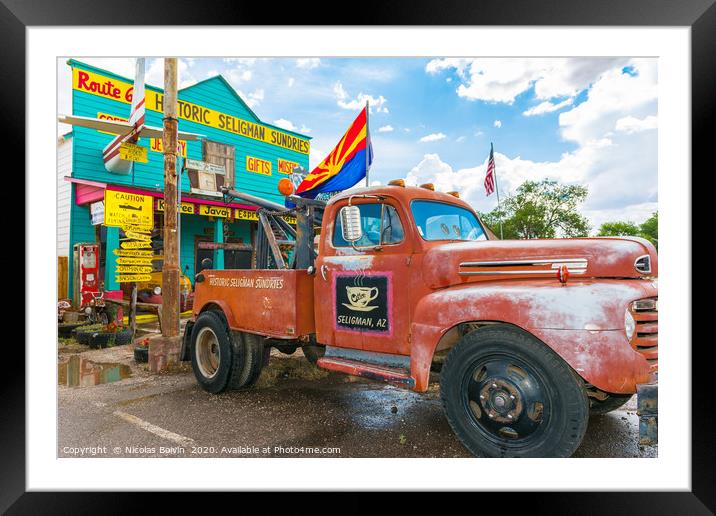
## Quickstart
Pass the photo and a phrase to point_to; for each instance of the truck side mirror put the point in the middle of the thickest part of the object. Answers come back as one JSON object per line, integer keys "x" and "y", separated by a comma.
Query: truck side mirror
{"x": 350, "y": 223}
{"x": 206, "y": 263}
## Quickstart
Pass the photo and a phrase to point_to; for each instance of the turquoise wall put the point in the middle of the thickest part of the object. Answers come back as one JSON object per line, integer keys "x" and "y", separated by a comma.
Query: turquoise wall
{"x": 81, "y": 230}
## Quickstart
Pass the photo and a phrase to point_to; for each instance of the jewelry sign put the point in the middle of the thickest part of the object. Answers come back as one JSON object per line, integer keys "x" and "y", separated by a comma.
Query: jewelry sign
{"x": 363, "y": 303}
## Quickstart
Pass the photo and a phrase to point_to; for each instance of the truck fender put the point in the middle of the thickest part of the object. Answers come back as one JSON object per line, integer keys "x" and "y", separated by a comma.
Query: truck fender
{"x": 598, "y": 351}
{"x": 219, "y": 306}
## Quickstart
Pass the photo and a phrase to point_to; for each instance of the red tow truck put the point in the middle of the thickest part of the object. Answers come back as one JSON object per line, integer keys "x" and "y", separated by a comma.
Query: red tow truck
{"x": 533, "y": 336}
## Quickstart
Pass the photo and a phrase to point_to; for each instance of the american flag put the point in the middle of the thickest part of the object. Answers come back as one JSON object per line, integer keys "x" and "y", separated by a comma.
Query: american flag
{"x": 490, "y": 177}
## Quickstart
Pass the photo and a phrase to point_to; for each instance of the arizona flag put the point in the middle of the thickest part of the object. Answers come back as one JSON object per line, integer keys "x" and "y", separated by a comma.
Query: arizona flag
{"x": 347, "y": 163}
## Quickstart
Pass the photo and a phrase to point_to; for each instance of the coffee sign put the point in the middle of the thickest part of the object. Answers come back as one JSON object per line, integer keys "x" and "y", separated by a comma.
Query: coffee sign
{"x": 363, "y": 303}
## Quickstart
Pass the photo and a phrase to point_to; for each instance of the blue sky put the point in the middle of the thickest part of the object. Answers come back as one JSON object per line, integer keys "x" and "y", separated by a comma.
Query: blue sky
{"x": 588, "y": 121}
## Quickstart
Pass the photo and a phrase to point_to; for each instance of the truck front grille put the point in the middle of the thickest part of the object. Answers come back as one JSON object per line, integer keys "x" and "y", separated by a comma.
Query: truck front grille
{"x": 646, "y": 315}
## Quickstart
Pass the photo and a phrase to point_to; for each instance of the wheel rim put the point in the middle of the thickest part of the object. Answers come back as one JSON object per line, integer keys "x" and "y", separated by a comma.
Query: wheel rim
{"x": 208, "y": 357}
{"x": 506, "y": 399}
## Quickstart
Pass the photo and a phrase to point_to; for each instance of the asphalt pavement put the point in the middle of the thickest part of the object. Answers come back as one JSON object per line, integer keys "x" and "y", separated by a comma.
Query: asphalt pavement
{"x": 295, "y": 410}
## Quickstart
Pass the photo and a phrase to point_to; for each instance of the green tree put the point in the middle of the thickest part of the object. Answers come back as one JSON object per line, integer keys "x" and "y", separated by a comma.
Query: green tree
{"x": 540, "y": 209}
{"x": 618, "y": 228}
{"x": 649, "y": 229}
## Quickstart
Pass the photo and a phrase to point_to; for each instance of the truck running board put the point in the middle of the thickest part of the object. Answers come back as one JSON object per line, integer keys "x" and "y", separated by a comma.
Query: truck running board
{"x": 374, "y": 372}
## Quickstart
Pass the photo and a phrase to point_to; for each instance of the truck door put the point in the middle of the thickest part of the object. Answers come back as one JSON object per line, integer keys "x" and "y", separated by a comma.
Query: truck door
{"x": 362, "y": 289}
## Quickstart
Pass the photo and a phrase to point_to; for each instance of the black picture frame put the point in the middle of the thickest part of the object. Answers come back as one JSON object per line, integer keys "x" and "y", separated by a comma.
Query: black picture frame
{"x": 700, "y": 15}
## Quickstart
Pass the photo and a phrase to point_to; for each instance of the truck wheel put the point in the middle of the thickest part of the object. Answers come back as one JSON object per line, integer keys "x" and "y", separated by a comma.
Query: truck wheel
{"x": 613, "y": 402}
{"x": 253, "y": 359}
{"x": 506, "y": 394}
{"x": 215, "y": 360}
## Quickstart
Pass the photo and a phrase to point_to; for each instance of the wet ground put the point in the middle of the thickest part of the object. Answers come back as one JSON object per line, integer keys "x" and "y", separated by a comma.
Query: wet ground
{"x": 119, "y": 409}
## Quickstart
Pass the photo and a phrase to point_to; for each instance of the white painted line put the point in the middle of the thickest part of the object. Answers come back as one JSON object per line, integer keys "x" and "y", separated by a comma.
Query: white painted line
{"x": 156, "y": 430}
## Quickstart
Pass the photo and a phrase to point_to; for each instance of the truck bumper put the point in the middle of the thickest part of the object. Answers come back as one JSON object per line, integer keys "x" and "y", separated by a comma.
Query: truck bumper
{"x": 647, "y": 395}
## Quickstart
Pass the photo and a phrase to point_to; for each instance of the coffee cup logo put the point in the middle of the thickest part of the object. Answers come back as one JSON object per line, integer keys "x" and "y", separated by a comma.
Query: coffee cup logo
{"x": 359, "y": 297}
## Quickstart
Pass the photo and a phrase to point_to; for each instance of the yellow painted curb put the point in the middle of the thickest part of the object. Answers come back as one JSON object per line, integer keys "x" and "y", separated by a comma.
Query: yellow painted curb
{"x": 147, "y": 318}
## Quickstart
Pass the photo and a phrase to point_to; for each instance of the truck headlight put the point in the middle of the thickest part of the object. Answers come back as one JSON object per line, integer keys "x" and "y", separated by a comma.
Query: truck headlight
{"x": 629, "y": 324}
{"x": 157, "y": 291}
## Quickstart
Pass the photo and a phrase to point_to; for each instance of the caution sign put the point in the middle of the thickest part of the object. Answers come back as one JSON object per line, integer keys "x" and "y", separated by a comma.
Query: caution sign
{"x": 132, "y": 152}
{"x": 134, "y": 269}
{"x": 134, "y": 252}
{"x": 136, "y": 245}
{"x": 128, "y": 209}
{"x": 130, "y": 278}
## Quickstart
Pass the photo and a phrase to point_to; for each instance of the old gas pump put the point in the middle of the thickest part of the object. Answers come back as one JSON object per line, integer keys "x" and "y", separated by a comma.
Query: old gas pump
{"x": 87, "y": 280}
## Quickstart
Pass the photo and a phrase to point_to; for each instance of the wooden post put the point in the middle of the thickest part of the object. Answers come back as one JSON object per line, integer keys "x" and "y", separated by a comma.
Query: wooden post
{"x": 133, "y": 311}
{"x": 170, "y": 271}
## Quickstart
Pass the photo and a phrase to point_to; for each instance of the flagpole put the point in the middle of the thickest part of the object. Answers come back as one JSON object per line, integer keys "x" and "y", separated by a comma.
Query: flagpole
{"x": 367, "y": 144}
{"x": 497, "y": 190}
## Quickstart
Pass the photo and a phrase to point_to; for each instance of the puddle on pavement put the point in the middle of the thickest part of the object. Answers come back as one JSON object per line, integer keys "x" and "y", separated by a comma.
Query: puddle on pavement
{"x": 384, "y": 407}
{"x": 74, "y": 371}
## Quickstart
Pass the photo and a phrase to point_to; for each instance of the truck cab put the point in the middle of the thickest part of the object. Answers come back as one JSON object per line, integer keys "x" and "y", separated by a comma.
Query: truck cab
{"x": 532, "y": 335}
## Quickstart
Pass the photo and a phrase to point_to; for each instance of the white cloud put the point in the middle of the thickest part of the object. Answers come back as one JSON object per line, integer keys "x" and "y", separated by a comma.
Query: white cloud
{"x": 253, "y": 98}
{"x": 502, "y": 79}
{"x": 631, "y": 125}
{"x": 547, "y": 107}
{"x": 291, "y": 80}
{"x": 308, "y": 62}
{"x": 287, "y": 124}
{"x": 433, "y": 137}
{"x": 386, "y": 129}
{"x": 344, "y": 101}
{"x": 460, "y": 139}
{"x": 497, "y": 123}
{"x": 247, "y": 61}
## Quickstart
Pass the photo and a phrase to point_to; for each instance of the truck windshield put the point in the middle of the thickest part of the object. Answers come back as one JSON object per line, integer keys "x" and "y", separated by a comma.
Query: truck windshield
{"x": 442, "y": 221}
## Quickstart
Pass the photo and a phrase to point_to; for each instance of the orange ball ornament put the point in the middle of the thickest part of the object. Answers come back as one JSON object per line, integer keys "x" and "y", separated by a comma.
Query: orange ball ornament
{"x": 285, "y": 186}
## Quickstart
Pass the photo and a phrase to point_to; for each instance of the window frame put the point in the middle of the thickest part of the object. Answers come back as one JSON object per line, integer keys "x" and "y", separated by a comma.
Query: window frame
{"x": 382, "y": 203}
{"x": 417, "y": 228}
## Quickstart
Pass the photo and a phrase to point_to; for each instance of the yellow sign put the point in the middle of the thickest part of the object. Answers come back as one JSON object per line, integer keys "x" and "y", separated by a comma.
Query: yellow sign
{"x": 258, "y": 166}
{"x": 136, "y": 245}
{"x": 132, "y": 152}
{"x": 133, "y": 269}
{"x": 241, "y": 214}
{"x": 156, "y": 145}
{"x": 138, "y": 236}
{"x": 121, "y": 91}
{"x": 107, "y": 116}
{"x": 130, "y": 278}
{"x": 134, "y": 252}
{"x": 127, "y": 209}
{"x": 145, "y": 230}
{"x": 286, "y": 167}
{"x": 123, "y": 260}
{"x": 214, "y": 211}
{"x": 186, "y": 207}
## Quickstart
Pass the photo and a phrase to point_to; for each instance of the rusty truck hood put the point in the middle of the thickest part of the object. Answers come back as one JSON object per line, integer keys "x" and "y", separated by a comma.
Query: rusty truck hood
{"x": 454, "y": 263}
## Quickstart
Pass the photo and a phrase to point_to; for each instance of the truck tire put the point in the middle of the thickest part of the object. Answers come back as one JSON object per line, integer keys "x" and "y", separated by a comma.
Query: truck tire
{"x": 217, "y": 363}
{"x": 253, "y": 359}
{"x": 613, "y": 402}
{"x": 506, "y": 394}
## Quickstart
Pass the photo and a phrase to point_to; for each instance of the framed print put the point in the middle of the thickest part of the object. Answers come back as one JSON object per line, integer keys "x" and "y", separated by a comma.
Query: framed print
{"x": 369, "y": 339}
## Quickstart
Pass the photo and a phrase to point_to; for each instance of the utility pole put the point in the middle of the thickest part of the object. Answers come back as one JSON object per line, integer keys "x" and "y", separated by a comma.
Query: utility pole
{"x": 170, "y": 270}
